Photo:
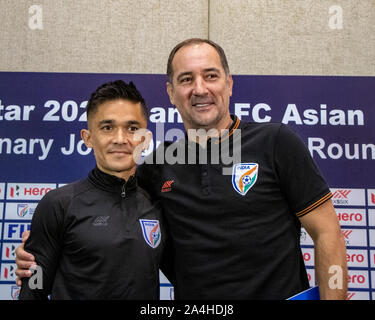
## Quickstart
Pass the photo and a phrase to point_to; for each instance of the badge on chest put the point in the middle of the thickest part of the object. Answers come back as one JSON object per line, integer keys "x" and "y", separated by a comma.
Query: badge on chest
{"x": 151, "y": 232}
{"x": 244, "y": 176}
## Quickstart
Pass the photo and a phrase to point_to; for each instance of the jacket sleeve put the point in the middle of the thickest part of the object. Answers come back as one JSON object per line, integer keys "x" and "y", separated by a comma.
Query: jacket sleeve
{"x": 45, "y": 243}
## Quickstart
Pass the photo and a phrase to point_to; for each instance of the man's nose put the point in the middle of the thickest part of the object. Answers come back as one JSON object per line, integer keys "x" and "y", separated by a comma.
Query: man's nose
{"x": 199, "y": 86}
{"x": 120, "y": 136}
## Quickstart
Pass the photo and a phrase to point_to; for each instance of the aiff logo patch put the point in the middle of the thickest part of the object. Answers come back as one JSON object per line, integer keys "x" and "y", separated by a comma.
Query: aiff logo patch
{"x": 244, "y": 176}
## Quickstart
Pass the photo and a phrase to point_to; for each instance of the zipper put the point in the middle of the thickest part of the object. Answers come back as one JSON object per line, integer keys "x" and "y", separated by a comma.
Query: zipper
{"x": 123, "y": 193}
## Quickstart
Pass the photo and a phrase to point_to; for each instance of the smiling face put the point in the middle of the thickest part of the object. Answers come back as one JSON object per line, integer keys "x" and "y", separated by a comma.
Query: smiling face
{"x": 200, "y": 89}
{"x": 111, "y": 133}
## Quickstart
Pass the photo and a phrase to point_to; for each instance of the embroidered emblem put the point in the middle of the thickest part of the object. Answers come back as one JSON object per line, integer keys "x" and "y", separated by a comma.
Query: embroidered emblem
{"x": 101, "y": 221}
{"x": 151, "y": 232}
{"x": 167, "y": 186}
{"x": 244, "y": 176}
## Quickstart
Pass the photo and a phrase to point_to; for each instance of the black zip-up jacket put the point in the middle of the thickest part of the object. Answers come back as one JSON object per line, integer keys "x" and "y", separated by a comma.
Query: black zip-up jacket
{"x": 99, "y": 238}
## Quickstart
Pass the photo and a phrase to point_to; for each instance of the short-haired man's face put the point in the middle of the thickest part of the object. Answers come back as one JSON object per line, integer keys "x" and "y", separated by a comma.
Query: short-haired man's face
{"x": 200, "y": 88}
{"x": 111, "y": 133}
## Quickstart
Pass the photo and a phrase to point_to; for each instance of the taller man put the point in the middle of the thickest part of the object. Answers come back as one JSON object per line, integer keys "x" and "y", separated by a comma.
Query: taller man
{"x": 238, "y": 236}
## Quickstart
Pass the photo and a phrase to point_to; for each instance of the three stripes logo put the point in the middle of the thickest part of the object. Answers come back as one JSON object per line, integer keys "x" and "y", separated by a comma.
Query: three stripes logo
{"x": 167, "y": 186}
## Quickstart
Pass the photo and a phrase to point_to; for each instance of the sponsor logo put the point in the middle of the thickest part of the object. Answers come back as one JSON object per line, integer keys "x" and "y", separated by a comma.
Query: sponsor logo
{"x": 348, "y": 197}
{"x": 341, "y": 194}
{"x": 371, "y": 197}
{"x": 372, "y": 259}
{"x": 355, "y": 237}
{"x": 371, "y": 218}
{"x": 167, "y": 186}
{"x": 311, "y": 277}
{"x": 358, "y": 295}
{"x": 305, "y": 238}
{"x": 356, "y": 258}
{"x": 28, "y": 191}
{"x": 2, "y": 188}
{"x": 358, "y": 279}
{"x": 13, "y": 231}
{"x": 351, "y": 217}
{"x": 19, "y": 211}
{"x": 15, "y": 292}
{"x": 171, "y": 293}
{"x": 308, "y": 256}
{"x": 9, "y": 251}
{"x": 8, "y": 272}
{"x": 372, "y": 237}
{"x": 244, "y": 176}
{"x": 151, "y": 232}
{"x": 101, "y": 221}
{"x": 22, "y": 209}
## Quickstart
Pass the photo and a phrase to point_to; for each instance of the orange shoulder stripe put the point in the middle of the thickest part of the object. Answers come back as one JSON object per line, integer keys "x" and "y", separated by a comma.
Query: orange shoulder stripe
{"x": 314, "y": 205}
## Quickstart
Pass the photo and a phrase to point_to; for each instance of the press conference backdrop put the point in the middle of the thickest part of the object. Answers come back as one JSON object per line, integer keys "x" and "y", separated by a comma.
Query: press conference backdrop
{"x": 41, "y": 115}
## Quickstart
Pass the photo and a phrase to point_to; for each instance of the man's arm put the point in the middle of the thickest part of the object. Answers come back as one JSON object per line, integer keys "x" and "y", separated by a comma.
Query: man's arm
{"x": 330, "y": 251}
{"x": 44, "y": 243}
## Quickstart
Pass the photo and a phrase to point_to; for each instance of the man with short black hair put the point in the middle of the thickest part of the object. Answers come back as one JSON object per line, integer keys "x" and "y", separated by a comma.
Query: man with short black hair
{"x": 102, "y": 237}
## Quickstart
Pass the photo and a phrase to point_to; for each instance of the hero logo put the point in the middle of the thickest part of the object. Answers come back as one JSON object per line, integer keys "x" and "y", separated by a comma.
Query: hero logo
{"x": 13, "y": 231}
{"x": 9, "y": 251}
{"x": 356, "y": 258}
{"x": 344, "y": 197}
{"x": 357, "y": 279}
{"x": 311, "y": 277}
{"x": 2, "y": 187}
{"x": 28, "y": 191}
{"x": 308, "y": 256}
{"x": 8, "y": 272}
{"x": 371, "y": 197}
{"x": 351, "y": 217}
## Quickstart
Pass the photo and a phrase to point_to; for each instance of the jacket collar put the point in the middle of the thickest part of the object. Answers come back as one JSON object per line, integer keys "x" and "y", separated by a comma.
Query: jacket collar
{"x": 112, "y": 183}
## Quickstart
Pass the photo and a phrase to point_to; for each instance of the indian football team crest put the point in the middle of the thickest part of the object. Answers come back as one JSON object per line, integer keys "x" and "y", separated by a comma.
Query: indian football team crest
{"x": 151, "y": 232}
{"x": 244, "y": 177}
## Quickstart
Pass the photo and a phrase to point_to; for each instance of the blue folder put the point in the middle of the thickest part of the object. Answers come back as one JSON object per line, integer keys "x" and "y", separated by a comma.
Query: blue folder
{"x": 309, "y": 294}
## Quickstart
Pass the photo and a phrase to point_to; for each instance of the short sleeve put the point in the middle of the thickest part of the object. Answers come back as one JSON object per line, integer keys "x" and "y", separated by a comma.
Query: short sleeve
{"x": 300, "y": 179}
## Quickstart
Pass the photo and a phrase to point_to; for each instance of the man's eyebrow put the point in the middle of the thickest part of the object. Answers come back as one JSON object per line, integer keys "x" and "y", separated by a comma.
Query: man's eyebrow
{"x": 105, "y": 121}
{"x": 188, "y": 73}
{"x": 211, "y": 69}
{"x": 109, "y": 121}
{"x": 130, "y": 122}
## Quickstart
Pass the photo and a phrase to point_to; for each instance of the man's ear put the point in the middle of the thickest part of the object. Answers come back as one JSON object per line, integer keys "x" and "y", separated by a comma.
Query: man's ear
{"x": 86, "y": 137}
{"x": 230, "y": 84}
{"x": 170, "y": 92}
